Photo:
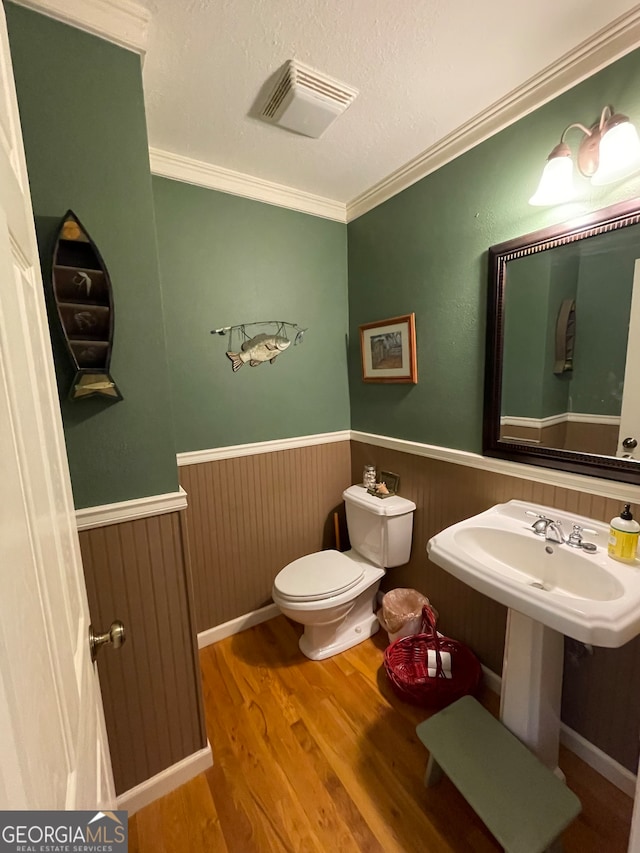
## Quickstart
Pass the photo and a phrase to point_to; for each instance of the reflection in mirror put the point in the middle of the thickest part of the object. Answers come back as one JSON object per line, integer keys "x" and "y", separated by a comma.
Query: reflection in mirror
{"x": 563, "y": 339}
{"x": 566, "y": 322}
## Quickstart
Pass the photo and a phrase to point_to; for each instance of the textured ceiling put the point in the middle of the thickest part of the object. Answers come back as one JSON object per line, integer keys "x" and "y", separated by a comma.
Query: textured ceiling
{"x": 422, "y": 67}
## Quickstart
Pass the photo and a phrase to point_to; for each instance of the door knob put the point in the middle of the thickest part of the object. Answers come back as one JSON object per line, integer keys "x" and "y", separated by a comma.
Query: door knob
{"x": 629, "y": 443}
{"x": 115, "y": 637}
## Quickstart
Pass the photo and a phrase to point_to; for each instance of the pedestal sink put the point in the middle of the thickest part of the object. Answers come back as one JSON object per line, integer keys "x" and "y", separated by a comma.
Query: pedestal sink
{"x": 551, "y": 590}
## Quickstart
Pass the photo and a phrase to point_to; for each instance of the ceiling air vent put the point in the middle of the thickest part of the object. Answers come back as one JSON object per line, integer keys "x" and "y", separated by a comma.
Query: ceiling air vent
{"x": 306, "y": 101}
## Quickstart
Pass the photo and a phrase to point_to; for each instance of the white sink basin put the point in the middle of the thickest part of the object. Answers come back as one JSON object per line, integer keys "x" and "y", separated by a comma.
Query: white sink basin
{"x": 540, "y": 565}
{"x": 585, "y": 595}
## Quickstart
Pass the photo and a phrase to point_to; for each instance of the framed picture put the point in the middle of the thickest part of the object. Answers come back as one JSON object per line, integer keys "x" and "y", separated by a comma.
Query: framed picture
{"x": 388, "y": 350}
{"x": 389, "y": 483}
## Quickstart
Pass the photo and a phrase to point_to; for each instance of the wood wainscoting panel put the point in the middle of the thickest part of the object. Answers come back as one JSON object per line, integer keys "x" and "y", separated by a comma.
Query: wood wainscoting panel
{"x": 600, "y": 696}
{"x": 251, "y": 515}
{"x": 137, "y": 571}
{"x": 587, "y": 437}
{"x": 556, "y": 436}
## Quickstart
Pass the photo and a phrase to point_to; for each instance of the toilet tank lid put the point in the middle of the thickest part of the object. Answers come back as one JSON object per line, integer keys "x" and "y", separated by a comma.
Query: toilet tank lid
{"x": 395, "y": 505}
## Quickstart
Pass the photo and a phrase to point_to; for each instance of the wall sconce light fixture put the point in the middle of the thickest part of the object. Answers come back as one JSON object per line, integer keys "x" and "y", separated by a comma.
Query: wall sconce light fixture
{"x": 609, "y": 152}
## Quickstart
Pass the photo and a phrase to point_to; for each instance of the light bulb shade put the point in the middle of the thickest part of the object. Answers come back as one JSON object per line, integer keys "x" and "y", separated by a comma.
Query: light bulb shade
{"x": 619, "y": 154}
{"x": 556, "y": 184}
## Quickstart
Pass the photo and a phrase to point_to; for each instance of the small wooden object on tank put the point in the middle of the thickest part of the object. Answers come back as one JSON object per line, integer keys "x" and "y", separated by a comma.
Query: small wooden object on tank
{"x": 84, "y": 300}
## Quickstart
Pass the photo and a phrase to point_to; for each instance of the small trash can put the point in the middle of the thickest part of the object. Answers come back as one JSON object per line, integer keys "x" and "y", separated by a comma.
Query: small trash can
{"x": 401, "y": 612}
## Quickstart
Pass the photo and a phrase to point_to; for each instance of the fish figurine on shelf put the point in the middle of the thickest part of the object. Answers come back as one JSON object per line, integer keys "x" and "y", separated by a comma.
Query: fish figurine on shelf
{"x": 257, "y": 350}
{"x": 84, "y": 301}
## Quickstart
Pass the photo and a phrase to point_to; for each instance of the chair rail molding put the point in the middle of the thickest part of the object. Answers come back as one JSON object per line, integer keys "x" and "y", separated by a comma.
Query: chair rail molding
{"x": 115, "y": 513}
{"x": 577, "y": 482}
{"x": 564, "y": 417}
{"x": 215, "y": 454}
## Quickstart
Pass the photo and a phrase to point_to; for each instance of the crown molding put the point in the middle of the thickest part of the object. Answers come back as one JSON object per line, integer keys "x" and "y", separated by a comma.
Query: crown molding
{"x": 604, "y": 47}
{"x": 179, "y": 168}
{"x": 126, "y": 23}
{"x": 123, "y": 22}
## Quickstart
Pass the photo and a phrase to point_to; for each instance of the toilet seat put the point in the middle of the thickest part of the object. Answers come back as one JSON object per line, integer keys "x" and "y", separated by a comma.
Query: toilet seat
{"x": 318, "y": 576}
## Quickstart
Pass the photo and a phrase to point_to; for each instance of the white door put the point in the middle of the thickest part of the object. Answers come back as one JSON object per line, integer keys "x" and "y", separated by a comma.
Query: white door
{"x": 629, "y": 435}
{"x": 53, "y": 746}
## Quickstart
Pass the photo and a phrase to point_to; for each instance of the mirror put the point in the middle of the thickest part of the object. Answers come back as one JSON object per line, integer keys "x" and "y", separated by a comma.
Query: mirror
{"x": 563, "y": 345}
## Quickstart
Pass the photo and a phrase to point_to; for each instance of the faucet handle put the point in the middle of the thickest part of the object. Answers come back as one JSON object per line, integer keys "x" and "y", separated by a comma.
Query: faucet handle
{"x": 578, "y": 528}
{"x": 575, "y": 537}
{"x": 540, "y": 526}
{"x": 539, "y": 516}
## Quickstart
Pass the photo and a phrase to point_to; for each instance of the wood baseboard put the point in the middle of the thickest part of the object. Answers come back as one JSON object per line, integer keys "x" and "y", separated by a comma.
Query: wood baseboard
{"x": 166, "y": 781}
{"x": 602, "y": 763}
{"x": 227, "y": 629}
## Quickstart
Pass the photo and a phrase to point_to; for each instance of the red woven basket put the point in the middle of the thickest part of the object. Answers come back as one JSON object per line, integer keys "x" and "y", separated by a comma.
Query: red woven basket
{"x": 405, "y": 662}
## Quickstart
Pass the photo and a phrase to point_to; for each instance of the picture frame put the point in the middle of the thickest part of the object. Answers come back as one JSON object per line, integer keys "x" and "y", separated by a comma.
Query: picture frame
{"x": 388, "y": 350}
{"x": 391, "y": 481}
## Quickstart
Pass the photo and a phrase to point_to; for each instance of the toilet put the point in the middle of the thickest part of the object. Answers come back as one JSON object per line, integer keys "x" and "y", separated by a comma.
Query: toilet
{"x": 333, "y": 594}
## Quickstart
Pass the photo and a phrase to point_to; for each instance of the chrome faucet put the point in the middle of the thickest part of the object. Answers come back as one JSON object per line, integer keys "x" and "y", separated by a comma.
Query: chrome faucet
{"x": 554, "y": 533}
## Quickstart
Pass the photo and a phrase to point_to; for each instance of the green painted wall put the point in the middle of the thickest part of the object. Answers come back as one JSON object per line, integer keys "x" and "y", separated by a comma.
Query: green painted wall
{"x": 536, "y": 287}
{"x": 598, "y": 274}
{"x": 564, "y": 277}
{"x": 526, "y": 317}
{"x": 226, "y": 260}
{"x": 603, "y": 304}
{"x": 82, "y": 112}
{"x": 425, "y": 250}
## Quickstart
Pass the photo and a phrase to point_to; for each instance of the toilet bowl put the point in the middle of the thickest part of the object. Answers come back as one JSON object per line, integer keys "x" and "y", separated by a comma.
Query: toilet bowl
{"x": 333, "y": 594}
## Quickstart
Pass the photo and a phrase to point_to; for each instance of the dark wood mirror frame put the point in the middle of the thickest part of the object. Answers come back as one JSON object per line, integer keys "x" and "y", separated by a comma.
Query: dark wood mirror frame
{"x": 609, "y": 219}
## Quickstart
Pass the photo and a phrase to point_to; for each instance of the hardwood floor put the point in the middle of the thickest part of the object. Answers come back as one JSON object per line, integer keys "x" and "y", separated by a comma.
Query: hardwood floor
{"x": 321, "y": 755}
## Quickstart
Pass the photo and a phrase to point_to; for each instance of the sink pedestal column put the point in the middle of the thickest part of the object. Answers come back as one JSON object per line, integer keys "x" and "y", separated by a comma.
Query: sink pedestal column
{"x": 532, "y": 685}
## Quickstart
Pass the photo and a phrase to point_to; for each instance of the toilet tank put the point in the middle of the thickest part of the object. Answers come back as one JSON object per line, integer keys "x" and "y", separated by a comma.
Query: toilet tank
{"x": 380, "y": 529}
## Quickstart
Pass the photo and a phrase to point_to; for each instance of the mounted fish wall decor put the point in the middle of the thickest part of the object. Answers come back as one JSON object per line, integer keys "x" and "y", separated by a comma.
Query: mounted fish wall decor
{"x": 257, "y": 347}
{"x": 84, "y": 300}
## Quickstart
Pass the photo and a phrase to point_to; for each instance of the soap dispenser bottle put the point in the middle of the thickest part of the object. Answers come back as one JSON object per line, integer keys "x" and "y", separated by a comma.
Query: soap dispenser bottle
{"x": 623, "y": 536}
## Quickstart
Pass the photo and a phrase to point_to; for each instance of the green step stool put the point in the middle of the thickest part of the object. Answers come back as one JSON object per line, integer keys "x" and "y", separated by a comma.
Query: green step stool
{"x": 521, "y": 801}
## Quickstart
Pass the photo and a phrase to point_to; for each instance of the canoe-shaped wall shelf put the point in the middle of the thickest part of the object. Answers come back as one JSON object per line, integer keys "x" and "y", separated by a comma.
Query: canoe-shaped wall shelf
{"x": 84, "y": 300}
